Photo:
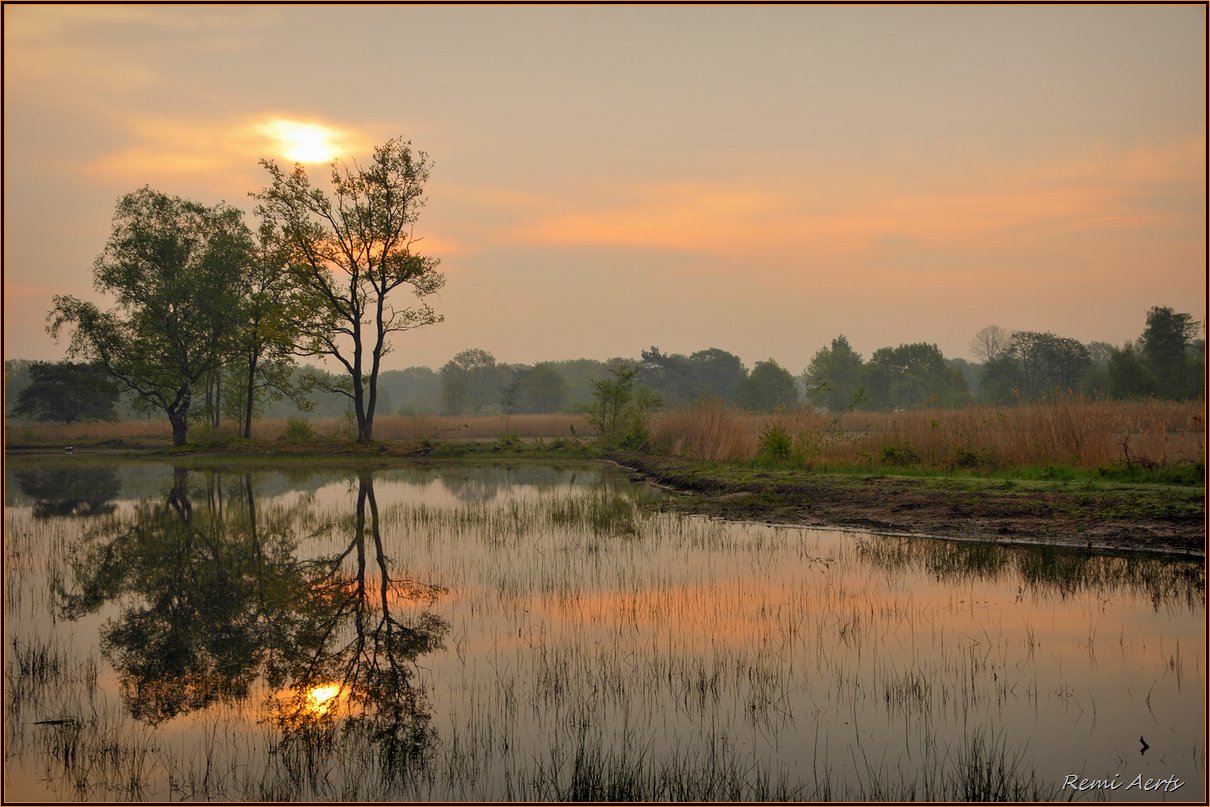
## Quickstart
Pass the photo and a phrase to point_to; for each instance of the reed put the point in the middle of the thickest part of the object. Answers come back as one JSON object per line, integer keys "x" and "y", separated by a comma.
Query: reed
{"x": 1070, "y": 432}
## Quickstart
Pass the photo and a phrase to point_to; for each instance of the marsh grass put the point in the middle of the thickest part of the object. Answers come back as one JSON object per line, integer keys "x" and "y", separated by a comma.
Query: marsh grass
{"x": 1116, "y": 436}
{"x": 599, "y": 650}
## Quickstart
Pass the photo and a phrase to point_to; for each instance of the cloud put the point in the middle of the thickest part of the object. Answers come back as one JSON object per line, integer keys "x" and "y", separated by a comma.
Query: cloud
{"x": 952, "y": 207}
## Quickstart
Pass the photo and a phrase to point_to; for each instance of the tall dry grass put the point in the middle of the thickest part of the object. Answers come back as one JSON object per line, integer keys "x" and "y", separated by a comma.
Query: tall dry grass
{"x": 1081, "y": 434}
{"x": 386, "y": 427}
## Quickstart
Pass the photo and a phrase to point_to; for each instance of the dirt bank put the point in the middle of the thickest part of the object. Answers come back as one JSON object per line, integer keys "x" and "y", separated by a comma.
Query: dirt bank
{"x": 1142, "y": 518}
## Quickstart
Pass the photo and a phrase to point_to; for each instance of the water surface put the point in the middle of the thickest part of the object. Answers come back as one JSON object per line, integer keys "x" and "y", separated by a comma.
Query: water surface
{"x": 532, "y": 632}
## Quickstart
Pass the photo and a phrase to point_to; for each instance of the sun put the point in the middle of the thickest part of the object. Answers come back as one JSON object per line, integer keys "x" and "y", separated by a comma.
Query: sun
{"x": 303, "y": 142}
{"x": 320, "y": 698}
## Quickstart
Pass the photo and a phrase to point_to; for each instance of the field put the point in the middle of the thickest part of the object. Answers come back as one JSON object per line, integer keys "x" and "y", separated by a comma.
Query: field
{"x": 1071, "y": 434}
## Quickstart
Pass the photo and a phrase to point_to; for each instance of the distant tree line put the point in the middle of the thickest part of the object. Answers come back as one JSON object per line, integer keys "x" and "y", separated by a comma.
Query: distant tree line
{"x": 1167, "y": 361}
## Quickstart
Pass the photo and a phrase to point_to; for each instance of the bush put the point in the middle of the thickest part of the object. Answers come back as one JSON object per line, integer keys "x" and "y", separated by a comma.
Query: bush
{"x": 775, "y": 443}
{"x": 898, "y": 454}
{"x": 298, "y": 431}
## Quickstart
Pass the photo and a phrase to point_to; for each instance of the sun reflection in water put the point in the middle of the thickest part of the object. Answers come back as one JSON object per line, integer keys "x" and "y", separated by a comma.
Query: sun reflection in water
{"x": 322, "y": 698}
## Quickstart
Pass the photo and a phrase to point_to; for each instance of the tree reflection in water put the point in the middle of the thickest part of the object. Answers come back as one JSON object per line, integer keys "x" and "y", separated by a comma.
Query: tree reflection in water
{"x": 215, "y": 597}
{"x": 84, "y": 492}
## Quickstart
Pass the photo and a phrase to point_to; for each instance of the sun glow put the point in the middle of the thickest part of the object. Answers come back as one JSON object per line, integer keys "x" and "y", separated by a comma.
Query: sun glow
{"x": 303, "y": 142}
{"x": 319, "y": 699}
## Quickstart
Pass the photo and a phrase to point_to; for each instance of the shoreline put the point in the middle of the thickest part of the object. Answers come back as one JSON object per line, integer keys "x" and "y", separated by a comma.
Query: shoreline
{"x": 1163, "y": 520}
{"x": 1136, "y": 520}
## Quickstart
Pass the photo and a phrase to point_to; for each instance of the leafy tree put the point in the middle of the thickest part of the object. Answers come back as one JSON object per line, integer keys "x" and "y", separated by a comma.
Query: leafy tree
{"x": 1165, "y": 347}
{"x": 469, "y": 382}
{"x": 1129, "y": 375}
{"x": 270, "y": 310}
{"x": 621, "y": 407}
{"x": 833, "y": 378}
{"x": 1035, "y": 366}
{"x": 999, "y": 382}
{"x": 669, "y": 375}
{"x": 718, "y": 374}
{"x": 542, "y": 389}
{"x": 350, "y": 253}
{"x": 912, "y": 376}
{"x": 416, "y": 389}
{"x": 174, "y": 266}
{"x": 16, "y": 379}
{"x": 1094, "y": 383}
{"x": 68, "y": 392}
{"x": 770, "y": 387}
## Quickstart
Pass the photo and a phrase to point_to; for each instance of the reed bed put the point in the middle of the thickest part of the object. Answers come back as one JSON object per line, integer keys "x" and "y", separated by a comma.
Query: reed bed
{"x": 386, "y": 427}
{"x": 1079, "y": 434}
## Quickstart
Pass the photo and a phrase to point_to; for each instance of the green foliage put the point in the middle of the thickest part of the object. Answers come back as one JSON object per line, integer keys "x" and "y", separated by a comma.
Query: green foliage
{"x": 470, "y": 382}
{"x": 912, "y": 376}
{"x": 1167, "y": 348}
{"x": 900, "y": 453}
{"x": 833, "y": 378}
{"x": 542, "y": 389}
{"x": 298, "y": 431}
{"x": 351, "y": 252}
{"x": 622, "y": 408}
{"x": 174, "y": 267}
{"x": 771, "y": 388}
{"x": 68, "y": 392}
{"x": 775, "y": 446}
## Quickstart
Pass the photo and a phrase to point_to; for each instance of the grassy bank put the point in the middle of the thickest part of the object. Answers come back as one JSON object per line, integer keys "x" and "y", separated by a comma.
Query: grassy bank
{"x": 1093, "y": 513}
{"x": 1121, "y": 476}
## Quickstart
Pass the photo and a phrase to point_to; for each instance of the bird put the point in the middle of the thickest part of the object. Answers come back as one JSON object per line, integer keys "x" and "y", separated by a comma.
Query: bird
{"x": 69, "y": 450}
{"x": 1144, "y": 748}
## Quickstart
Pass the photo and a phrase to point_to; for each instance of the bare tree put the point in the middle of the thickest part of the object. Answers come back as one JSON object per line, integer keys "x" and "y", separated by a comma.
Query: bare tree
{"x": 990, "y": 343}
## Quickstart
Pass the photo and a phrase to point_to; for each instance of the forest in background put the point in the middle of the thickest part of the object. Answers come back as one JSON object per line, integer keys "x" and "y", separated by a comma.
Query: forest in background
{"x": 1166, "y": 362}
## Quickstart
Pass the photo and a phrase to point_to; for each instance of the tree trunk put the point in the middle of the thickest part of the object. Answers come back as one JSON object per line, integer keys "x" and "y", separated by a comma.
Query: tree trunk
{"x": 178, "y": 414}
{"x": 180, "y": 428}
{"x": 248, "y": 395}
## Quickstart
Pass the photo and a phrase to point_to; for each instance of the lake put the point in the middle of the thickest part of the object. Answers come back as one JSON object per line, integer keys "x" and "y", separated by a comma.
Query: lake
{"x": 461, "y": 632}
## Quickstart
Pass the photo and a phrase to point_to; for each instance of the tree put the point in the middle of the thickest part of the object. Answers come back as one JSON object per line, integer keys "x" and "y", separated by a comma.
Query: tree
{"x": 542, "y": 389}
{"x": 771, "y": 387}
{"x": 912, "y": 376}
{"x": 833, "y": 378}
{"x": 1165, "y": 347}
{"x": 990, "y": 342}
{"x": 670, "y": 375}
{"x": 349, "y": 254}
{"x": 174, "y": 267}
{"x": 68, "y": 392}
{"x": 719, "y": 374}
{"x": 270, "y": 310}
{"x": 1129, "y": 376}
{"x": 469, "y": 382}
{"x": 621, "y": 407}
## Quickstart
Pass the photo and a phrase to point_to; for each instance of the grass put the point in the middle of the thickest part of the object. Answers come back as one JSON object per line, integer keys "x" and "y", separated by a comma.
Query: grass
{"x": 1070, "y": 440}
{"x": 1160, "y": 441}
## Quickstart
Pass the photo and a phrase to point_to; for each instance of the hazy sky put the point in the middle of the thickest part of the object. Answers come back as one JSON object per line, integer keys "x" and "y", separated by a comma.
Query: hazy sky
{"x": 607, "y": 178}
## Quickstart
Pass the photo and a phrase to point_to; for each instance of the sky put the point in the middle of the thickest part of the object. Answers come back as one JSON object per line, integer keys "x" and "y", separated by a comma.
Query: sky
{"x": 609, "y": 178}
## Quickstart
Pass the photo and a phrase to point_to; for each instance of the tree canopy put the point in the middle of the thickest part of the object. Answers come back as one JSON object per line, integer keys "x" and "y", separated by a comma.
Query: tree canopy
{"x": 173, "y": 266}
{"x": 351, "y": 249}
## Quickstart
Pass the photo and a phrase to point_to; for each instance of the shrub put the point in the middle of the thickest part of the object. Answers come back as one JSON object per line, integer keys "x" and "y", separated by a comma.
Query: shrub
{"x": 298, "y": 431}
{"x": 900, "y": 453}
{"x": 775, "y": 443}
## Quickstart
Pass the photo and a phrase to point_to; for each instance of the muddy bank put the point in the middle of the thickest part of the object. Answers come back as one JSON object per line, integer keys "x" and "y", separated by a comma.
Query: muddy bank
{"x": 1152, "y": 519}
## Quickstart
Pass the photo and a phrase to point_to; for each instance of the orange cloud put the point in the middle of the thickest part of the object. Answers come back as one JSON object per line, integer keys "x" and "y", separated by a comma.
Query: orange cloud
{"x": 987, "y": 205}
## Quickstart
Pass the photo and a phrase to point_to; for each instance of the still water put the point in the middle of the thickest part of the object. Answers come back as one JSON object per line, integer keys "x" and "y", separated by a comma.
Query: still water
{"x": 530, "y": 632}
